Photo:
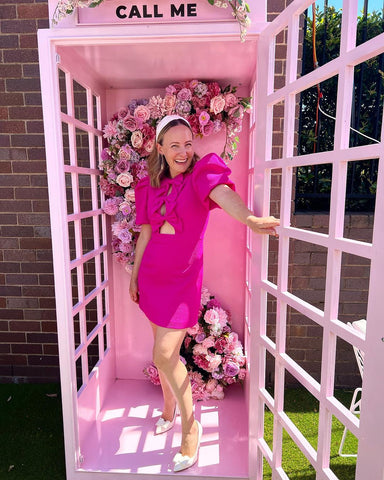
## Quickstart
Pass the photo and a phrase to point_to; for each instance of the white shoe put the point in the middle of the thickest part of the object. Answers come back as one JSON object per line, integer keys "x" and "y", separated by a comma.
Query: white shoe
{"x": 183, "y": 462}
{"x": 162, "y": 425}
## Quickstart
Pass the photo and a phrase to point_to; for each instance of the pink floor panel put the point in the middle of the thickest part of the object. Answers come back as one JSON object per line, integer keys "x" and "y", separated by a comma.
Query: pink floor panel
{"x": 122, "y": 439}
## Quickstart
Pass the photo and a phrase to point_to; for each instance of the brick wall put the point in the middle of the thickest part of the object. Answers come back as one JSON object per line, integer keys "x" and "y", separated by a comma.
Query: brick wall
{"x": 28, "y": 340}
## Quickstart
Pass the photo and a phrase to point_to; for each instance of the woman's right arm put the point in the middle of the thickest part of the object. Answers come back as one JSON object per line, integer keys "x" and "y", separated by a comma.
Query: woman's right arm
{"x": 142, "y": 241}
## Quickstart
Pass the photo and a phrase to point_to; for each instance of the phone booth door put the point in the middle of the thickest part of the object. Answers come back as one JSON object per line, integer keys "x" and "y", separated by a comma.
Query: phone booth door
{"x": 279, "y": 86}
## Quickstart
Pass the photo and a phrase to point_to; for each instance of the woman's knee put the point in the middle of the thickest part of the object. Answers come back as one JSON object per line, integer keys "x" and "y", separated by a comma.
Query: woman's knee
{"x": 163, "y": 358}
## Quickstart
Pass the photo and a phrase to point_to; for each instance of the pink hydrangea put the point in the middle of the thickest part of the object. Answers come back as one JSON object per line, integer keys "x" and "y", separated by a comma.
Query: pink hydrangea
{"x": 111, "y": 206}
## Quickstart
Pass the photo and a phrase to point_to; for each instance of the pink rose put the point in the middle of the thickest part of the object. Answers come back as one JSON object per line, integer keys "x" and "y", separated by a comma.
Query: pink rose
{"x": 131, "y": 123}
{"x": 211, "y": 317}
{"x": 130, "y": 195}
{"x": 142, "y": 112}
{"x": 208, "y": 342}
{"x": 122, "y": 165}
{"x": 125, "y": 208}
{"x": 148, "y": 145}
{"x": 125, "y": 152}
{"x": 122, "y": 113}
{"x": 220, "y": 344}
{"x": 125, "y": 236}
{"x": 213, "y": 362}
{"x": 242, "y": 373}
{"x": 217, "y": 104}
{"x": 223, "y": 317}
{"x": 124, "y": 179}
{"x": 126, "y": 248}
{"x": 207, "y": 129}
{"x": 170, "y": 90}
{"x": 198, "y": 349}
{"x": 137, "y": 139}
{"x": 152, "y": 373}
{"x": 230, "y": 100}
{"x": 169, "y": 104}
{"x": 184, "y": 95}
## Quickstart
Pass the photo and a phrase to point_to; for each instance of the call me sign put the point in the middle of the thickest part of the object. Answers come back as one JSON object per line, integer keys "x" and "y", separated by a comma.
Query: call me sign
{"x": 158, "y": 11}
{"x": 123, "y": 11}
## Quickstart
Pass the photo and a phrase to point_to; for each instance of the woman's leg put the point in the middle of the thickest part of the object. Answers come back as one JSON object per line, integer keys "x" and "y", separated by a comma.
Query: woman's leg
{"x": 169, "y": 398}
{"x": 166, "y": 356}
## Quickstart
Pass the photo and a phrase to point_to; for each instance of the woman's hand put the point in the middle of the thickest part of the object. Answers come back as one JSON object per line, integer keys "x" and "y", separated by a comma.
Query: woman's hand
{"x": 134, "y": 290}
{"x": 263, "y": 225}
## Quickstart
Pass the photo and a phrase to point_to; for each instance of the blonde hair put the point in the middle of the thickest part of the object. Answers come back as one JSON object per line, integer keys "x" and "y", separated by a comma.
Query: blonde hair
{"x": 157, "y": 165}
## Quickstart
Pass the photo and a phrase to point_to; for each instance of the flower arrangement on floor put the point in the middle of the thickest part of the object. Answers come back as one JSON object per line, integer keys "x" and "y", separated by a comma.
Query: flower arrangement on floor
{"x": 240, "y": 10}
{"x": 211, "y": 352}
{"x": 131, "y": 137}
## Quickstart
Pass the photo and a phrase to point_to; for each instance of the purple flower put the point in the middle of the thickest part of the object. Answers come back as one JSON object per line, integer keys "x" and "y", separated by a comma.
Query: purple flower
{"x": 231, "y": 369}
{"x": 125, "y": 235}
{"x": 200, "y": 337}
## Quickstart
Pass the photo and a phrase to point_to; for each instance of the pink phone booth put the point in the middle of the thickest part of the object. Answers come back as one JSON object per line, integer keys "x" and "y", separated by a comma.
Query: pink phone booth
{"x": 93, "y": 63}
{"x": 96, "y": 61}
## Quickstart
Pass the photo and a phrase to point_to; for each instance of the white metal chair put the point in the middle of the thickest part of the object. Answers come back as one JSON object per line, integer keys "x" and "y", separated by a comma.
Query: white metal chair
{"x": 360, "y": 325}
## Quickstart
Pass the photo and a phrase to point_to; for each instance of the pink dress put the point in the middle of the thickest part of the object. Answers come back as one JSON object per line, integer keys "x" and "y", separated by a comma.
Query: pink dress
{"x": 171, "y": 270}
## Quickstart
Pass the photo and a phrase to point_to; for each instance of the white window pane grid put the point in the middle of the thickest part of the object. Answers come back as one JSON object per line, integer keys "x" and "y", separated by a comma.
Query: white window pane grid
{"x": 82, "y": 139}
{"x": 332, "y": 244}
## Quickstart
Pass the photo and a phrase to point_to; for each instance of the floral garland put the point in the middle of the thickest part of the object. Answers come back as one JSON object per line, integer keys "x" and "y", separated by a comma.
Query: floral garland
{"x": 211, "y": 352}
{"x": 131, "y": 137}
{"x": 240, "y": 10}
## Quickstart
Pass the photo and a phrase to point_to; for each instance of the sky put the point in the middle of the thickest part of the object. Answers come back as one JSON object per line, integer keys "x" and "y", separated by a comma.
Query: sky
{"x": 372, "y": 4}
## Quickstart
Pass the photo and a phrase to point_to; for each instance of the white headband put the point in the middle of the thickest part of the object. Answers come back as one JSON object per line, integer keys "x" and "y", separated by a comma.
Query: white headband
{"x": 169, "y": 118}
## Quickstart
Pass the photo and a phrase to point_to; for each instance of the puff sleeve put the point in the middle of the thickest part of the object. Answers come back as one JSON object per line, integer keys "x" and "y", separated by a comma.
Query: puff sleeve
{"x": 141, "y": 200}
{"x": 209, "y": 172}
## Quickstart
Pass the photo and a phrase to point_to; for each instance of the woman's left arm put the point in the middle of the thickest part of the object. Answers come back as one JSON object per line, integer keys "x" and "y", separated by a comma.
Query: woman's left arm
{"x": 232, "y": 203}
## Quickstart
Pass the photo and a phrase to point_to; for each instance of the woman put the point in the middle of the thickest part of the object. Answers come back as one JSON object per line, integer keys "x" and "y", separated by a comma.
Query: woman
{"x": 172, "y": 205}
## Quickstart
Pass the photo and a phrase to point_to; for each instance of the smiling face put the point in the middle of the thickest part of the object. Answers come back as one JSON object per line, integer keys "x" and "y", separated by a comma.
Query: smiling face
{"x": 177, "y": 149}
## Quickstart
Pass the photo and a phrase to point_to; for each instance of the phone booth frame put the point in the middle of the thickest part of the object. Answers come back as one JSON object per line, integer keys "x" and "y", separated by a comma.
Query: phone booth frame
{"x": 83, "y": 404}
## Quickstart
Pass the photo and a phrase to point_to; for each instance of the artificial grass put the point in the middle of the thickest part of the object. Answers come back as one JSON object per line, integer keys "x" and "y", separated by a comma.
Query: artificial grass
{"x": 303, "y": 410}
{"x": 31, "y": 433}
{"x": 32, "y": 447}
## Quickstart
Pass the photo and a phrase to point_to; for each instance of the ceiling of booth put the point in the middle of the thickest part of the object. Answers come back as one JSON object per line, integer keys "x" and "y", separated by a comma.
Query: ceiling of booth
{"x": 151, "y": 65}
